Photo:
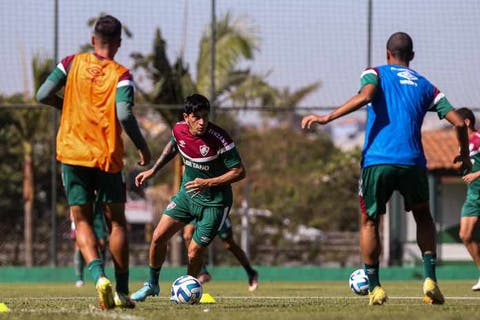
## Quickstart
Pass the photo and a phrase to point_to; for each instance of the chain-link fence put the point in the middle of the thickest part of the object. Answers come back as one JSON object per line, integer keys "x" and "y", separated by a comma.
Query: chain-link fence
{"x": 318, "y": 48}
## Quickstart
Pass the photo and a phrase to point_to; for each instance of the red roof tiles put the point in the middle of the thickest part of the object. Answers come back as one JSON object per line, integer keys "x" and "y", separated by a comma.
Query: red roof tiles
{"x": 440, "y": 148}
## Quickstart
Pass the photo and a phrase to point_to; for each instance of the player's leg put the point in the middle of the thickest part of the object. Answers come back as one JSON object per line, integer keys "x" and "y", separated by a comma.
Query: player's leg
{"x": 467, "y": 226}
{"x": 101, "y": 230}
{"x": 110, "y": 203}
{"x": 174, "y": 218}
{"x": 376, "y": 188}
{"x": 195, "y": 258}
{"x": 88, "y": 245}
{"x": 414, "y": 188}
{"x": 203, "y": 276}
{"x": 79, "y": 265}
{"x": 206, "y": 229}
{"x": 78, "y": 261}
{"x": 226, "y": 235}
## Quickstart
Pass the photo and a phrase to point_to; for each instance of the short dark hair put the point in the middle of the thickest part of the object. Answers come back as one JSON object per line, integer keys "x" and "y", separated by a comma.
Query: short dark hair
{"x": 466, "y": 113}
{"x": 196, "y": 102}
{"x": 400, "y": 45}
{"x": 108, "y": 27}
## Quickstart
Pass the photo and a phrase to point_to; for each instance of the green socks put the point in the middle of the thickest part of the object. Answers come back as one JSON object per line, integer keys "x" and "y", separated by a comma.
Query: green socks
{"x": 154, "y": 275}
{"x": 372, "y": 272}
{"x": 121, "y": 280}
{"x": 429, "y": 264}
{"x": 96, "y": 269}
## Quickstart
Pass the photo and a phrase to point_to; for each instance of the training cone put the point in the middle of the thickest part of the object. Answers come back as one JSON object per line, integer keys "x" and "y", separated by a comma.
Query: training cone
{"x": 4, "y": 308}
{"x": 207, "y": 298}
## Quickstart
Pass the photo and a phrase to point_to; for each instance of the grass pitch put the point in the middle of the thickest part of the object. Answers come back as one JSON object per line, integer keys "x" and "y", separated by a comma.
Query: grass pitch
{"x": 272, "y": 300}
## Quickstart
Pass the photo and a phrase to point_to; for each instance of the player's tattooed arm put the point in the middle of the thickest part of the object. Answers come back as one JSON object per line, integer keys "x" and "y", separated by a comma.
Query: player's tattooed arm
{"x": 168, "y": 153}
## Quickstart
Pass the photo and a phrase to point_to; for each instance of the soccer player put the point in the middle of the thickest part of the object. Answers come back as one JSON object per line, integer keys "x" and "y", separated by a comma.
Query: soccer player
{"x": 471, "y": 207}
{"x": 100, "y": 231}
{"x": 226, "y": 235}
{"x": 212, "y": 163}
{"x": 397, "y": 100}
{"x": 97, "y": 103}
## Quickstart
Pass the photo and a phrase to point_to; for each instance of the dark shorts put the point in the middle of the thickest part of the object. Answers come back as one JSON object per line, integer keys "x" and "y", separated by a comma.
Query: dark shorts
{"x": 87, "y": 185}
{"x": 377, "y": 184}
{"x": 99, "y": 224}
{"x": 471, "y": 206}
{"x": 208, "y": 219}
{"x": 225, "y": 229}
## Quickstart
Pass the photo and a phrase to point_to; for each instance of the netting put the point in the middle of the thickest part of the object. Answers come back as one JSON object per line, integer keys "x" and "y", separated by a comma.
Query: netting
{"x": 298, "y": 43}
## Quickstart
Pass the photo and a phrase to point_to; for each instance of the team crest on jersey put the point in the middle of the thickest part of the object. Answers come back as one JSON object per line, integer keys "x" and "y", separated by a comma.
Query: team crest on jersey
{"x": 204, "y": 150}
{"x": 171, "y": 205}
{"x": 181, "y": 143}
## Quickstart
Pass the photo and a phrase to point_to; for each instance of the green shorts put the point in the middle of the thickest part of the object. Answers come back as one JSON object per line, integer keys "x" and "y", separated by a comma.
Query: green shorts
{"x": 225, "y": 229}
{"x": 87, "y": 185}
{"x": 471, "y": 206}
{"x": 208, "y": 219}
{"x": 377, "y": 184}
{"x": 99, "y": 225}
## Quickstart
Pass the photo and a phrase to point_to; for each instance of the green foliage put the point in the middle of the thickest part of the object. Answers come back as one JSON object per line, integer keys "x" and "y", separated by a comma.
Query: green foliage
{"x": 301, "y": 178}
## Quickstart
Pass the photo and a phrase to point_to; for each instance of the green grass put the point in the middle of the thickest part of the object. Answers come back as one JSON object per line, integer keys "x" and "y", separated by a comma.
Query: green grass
{"x": 272, "y": 300}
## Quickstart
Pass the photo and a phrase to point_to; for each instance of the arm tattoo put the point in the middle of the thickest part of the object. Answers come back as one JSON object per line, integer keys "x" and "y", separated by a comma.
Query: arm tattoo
{"x": 167, "y": 154}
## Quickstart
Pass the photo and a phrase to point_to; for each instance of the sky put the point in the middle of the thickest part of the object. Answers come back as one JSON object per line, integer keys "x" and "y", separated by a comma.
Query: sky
{"x": 301, "y": 41}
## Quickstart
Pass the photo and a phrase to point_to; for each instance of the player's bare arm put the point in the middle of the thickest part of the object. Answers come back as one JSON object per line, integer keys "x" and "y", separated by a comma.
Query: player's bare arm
{"x": 233, "y": 175}
{"x": 168, "y": 154}
{"x": 145, "y": 156}
{"x": 469, "y": 178}
{"x": 354, "y": 103}
{"x": 462, "y": 137}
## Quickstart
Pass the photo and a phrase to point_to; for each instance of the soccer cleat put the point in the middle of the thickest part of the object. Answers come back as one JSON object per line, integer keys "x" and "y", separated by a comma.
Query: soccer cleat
{"x": 253, "y": 281}
{"x": 123, "y": 301}
{"x": 432, "y": 293}
{"x": 204, "y": 277}
{"x": 148, "y": 289}
{"x": 476, "y": 286}
{"x": 105, "y": 293}
{"x": 378, "y": 296}
{"x": 79, "y": 283}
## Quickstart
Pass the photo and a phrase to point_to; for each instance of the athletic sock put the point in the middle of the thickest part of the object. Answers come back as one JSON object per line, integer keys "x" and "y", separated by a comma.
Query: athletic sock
{"x": 96, "y": 269}
{"x": 154, "y": 275}
{"x": 372, "y": 272}
{"x": 250, "y": 271}
{"x": 79, "y": 264}
{"x": 121, "y": 280}
{"x": 429, "y": 264}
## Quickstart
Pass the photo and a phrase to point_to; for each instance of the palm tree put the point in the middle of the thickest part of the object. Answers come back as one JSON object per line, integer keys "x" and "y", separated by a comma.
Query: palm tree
{"x": 30, "y": 126}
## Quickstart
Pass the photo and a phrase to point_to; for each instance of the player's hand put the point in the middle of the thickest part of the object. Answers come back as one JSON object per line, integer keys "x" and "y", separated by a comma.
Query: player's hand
{"x": 196, "y": 186}
{"x": 466, "y": 165}
{"x": 143, "y": 176}
{"x": 307, "y": 121}
{"x": 145, "y": 156}
{"x": 469, "y": 178}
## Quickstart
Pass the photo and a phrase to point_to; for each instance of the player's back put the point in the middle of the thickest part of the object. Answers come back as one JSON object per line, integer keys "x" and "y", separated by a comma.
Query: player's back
{"x": 89, "y": 134}
{"x": 395, "y": 117}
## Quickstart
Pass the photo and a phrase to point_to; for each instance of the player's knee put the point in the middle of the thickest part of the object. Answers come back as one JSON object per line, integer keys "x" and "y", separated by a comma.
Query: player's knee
{"x": 187, "y": 237}
{"x": 466, "y": 237}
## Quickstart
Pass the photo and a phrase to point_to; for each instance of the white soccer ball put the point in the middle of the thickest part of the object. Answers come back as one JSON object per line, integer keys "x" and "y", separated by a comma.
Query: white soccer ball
{"x": 358, "y": 282}
{"x": 186, "y": 289}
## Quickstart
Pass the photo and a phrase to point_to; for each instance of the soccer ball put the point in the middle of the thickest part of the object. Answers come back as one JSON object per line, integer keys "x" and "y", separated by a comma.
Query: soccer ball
{"x": 186, "y": 289}
{"x": 358, "y": 282}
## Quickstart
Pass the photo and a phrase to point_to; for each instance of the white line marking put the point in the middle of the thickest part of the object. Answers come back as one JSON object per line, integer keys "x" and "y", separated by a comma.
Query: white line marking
{"x": 254, "y": 298}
